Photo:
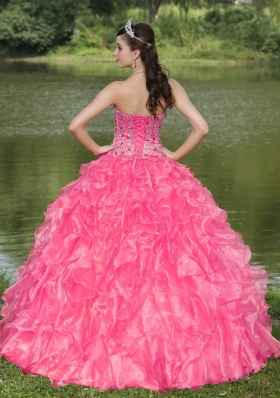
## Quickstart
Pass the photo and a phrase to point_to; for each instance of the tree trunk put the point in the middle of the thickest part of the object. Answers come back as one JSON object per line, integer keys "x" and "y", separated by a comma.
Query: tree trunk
{"x": 183, "y": 8}
{"x": 153, "y": 7}
{"x": 258, "y": 4}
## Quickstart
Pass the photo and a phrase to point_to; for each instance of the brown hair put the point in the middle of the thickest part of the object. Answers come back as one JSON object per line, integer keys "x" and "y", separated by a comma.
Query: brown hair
{"x": 160, "y": 94}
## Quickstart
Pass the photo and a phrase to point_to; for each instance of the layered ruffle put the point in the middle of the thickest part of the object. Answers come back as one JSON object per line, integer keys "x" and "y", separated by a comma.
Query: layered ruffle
{"x": 135, "y": 279}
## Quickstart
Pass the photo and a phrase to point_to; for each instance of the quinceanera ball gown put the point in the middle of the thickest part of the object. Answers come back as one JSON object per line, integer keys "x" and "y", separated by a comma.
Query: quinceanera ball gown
{"x": 135, "y": 279}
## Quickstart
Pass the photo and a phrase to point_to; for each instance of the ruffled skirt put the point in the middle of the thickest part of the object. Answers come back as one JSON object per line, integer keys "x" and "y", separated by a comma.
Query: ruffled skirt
{"x": 135, "y": 279}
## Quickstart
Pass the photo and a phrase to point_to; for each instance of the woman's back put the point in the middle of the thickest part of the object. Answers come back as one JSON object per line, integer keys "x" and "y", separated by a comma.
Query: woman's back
{"x": 133, "y": 96}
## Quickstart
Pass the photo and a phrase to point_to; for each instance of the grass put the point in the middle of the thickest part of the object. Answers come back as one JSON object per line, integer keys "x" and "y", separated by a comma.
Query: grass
{"x": 265, "y": 383}
{"x": 203, "y": 51}
{"x": 273, "y": 299}
{"x": 207, "y": 50}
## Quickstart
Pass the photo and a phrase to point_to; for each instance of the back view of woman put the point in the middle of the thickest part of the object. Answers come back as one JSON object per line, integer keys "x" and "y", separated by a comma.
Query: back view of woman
{"x": 135, "y": 278}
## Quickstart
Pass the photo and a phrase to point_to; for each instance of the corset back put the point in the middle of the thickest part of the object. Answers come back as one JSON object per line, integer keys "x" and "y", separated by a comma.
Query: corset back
{"x": 137, "y": 136}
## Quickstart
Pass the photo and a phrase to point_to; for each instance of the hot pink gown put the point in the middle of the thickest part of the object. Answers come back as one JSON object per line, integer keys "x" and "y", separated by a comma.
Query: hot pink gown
{"x": 135, "y": 279}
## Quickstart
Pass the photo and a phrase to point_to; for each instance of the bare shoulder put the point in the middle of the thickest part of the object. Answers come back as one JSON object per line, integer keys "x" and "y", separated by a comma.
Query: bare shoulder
{"x": 179, "y": 93}
{"x": 112, "y": 87}
{"x": 116, "y": 83}
{"x": 110, "y": 92}
{"x": 174, "y": 84}
{"x": 172, "y": 81}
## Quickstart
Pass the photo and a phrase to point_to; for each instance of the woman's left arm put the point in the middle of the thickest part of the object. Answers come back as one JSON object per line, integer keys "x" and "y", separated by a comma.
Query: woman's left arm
{"x": 105, "y": 98}
{"x": 200, "y": 127}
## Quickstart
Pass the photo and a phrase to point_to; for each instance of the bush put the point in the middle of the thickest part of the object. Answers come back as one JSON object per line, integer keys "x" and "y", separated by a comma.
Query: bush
{"x": 272, "y": 43}
{"x": 214, "y": 16}
{"x": 171, "y": 29}
{"x": 243, "y": 25}
{"x": 36, "y": 25}
{"x": 19, "y": 30}
{"x": 236, "y": 15}
{"x": 252, "y": 33}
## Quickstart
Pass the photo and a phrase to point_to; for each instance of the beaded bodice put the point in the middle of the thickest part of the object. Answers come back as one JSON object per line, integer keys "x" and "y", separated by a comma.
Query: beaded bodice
{"x": 137, "y": 136}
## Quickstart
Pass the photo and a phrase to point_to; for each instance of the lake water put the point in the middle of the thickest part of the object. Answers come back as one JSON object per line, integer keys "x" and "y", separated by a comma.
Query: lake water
{"x": 238, "y": 161}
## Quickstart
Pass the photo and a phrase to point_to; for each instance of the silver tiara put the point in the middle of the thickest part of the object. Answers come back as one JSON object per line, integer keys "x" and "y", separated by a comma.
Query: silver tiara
{"x": 129, "y": 31}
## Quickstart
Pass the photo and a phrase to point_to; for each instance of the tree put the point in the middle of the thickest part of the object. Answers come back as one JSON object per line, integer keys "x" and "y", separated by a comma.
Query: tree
{"x": 111, "y": 7}
{"x": 184, "y": 6}
{"x": 273, "y": 5}
{"x": 275, "y": 10}
{"x": 258, "y": 4}
{"x": 153, "y": 7}
{"x": 104, "y": 7}
{"x": 36, "y": 25}
{"x": 3, "y": 4}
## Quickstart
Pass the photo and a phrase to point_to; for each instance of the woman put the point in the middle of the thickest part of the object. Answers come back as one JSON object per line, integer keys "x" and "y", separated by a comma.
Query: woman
{"x": 135, "y": 278}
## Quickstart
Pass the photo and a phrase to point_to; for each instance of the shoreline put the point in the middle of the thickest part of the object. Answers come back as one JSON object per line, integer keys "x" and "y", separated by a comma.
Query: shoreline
{"x": 71, "y": 59}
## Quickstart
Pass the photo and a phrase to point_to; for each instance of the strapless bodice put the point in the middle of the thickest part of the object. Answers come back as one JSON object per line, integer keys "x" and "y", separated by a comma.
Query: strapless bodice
{"x": 137, "y": 136}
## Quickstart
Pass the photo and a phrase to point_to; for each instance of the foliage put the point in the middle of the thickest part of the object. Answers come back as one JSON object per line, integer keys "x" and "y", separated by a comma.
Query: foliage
{"x": 232, "y": 33}
{"x": 153, "y": 7}
{"x": 104, "y": 7}
{"x": 214, "y": 16}
{"x": 214, "y": 32}
{"x": 245, "y": 26}
{"x": 109, "y": 7}
{"x": 3, "y": 4}
{"x": 36, "y": 25}
{"x": 274, "y": 6}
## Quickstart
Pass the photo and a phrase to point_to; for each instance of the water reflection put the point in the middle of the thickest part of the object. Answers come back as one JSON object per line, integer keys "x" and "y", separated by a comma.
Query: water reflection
{"x": 239, "y": 160}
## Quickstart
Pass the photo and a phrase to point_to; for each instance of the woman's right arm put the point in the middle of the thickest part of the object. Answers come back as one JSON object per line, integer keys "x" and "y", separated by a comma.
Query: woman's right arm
{"x": 105, "y": 98}
{"x": 199, "y": 125}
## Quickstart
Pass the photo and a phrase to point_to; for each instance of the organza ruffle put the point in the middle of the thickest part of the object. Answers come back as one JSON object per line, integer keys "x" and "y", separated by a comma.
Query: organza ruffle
{"x": 135, "y": 279}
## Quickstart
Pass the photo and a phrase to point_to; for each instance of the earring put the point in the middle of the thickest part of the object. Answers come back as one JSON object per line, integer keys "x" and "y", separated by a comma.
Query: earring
{"x": 134, "y": 64}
